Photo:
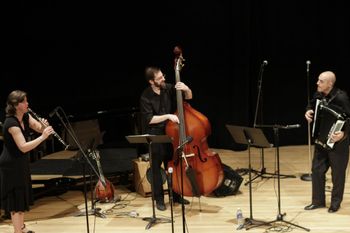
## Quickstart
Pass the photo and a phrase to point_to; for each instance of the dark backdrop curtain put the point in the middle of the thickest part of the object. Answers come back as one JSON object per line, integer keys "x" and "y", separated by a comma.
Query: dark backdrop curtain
{"x": 90, "y": 56}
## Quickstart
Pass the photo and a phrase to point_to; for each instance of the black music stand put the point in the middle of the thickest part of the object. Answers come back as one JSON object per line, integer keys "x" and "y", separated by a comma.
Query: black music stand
{"x": 250, "y": 137}
{"x": 279, "y": 217}
{"x": 263, "y": 172}
{"x": 150, "y": 139}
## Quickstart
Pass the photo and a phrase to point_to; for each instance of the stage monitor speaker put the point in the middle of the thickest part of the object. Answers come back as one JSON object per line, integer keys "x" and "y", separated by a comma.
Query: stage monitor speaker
{"x": 141, "y": 177}
{"x": 231, "y": 183}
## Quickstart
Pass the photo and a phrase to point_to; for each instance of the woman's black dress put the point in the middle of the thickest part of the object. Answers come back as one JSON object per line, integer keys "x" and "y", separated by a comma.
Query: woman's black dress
{"x": 15, "y": 181}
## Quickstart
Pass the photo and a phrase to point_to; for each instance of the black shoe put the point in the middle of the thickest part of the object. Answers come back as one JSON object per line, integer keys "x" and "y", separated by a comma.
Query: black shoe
{"x": 333, "y": 209}
{"x": 160, "y": 205}
{"x": 25, "y": 230}
{"x": 313, "y": 206}
{"x": 181, "y": 200}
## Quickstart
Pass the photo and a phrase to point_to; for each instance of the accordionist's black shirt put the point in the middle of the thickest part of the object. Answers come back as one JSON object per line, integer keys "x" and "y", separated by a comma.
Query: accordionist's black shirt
{"x": 337, "y": 100}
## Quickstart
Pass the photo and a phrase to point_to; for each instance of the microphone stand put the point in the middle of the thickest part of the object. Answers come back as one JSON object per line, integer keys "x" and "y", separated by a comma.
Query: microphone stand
{"x": 262, "y": 172}
{"x": 259, "y": 91}
{"x": 308, "y": 176}
{"x": 70, "y": 131}
{"x": 280, "y": 216}
{"x": 180, "y": 152}
{"x": 170, "y": 183}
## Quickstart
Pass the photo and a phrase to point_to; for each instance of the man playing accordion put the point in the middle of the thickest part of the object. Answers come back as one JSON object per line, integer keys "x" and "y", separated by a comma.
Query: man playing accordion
{"x": 336, "y": 155}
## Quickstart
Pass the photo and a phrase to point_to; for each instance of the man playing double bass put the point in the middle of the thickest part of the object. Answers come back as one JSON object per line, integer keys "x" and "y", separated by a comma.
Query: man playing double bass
{"x": 157, "y": 103}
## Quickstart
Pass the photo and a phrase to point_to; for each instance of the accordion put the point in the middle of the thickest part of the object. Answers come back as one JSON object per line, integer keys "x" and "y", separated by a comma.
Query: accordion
{"x": 326, "y": 121}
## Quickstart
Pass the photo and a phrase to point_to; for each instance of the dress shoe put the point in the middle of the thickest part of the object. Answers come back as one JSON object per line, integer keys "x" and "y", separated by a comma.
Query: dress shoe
{"x": 160, "y": 205}
{"x": 181, "y": 200}
{"x": 25, "y": 230}
{"x": 313, "y": 206}
{"x": 333, "y": 209}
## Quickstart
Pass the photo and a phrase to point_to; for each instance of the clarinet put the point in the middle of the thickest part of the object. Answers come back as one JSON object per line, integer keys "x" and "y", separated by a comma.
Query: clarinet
{"x": 36, "y": 116}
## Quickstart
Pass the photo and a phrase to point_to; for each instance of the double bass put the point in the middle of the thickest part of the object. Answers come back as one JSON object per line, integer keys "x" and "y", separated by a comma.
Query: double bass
{"x": 196, "y": 169}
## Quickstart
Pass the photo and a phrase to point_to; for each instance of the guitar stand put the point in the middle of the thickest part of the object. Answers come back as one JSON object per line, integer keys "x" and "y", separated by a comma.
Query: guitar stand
{"x": 279, "y": 217}
{"x": 93, "y": 211}
{"x": 149, "y": 139}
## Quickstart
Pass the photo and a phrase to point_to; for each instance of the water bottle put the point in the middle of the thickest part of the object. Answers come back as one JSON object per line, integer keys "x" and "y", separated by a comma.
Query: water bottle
{"x": 240, "y": 219}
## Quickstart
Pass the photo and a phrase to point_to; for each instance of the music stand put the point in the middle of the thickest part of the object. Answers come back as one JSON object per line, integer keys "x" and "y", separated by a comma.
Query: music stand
{"x": 250, "y": 137}
{"x": 263, "y": 172}
{"x": 279, "y": 217}
{"x": 150, "y": 139}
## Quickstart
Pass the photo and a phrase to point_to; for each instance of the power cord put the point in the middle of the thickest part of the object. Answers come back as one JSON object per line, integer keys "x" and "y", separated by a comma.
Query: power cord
{"x": 132, "y": 214}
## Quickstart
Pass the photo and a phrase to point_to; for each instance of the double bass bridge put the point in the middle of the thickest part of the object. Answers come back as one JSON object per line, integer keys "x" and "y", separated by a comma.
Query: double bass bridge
{"x": 185, "y": 156}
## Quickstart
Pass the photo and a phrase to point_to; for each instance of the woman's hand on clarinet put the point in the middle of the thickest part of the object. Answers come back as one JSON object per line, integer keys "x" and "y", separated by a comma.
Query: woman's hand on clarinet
{"x": 44, "y": 121}
{"x": 309, "y": 115}
{"x": 47, "y": 132}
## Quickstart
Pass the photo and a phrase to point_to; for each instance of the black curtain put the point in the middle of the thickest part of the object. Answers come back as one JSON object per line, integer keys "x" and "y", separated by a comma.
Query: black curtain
{"x": 90, "y": 56}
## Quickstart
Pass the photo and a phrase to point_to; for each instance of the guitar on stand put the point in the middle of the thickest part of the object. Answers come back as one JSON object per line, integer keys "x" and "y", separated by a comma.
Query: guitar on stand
{"x": 104, "y": 189}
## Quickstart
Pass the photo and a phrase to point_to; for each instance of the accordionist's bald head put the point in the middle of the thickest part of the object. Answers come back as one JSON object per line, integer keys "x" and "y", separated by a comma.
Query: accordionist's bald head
{"x": 326, "y": 81}
{"x": 329, "y": 75}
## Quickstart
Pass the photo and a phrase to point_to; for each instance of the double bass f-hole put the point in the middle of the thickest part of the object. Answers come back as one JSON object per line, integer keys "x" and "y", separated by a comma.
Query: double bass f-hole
{"x": 199, "y": 154}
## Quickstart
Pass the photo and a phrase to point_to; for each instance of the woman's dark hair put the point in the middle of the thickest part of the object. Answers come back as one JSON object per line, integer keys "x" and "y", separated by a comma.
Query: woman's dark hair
{"x": 14, "y": 98}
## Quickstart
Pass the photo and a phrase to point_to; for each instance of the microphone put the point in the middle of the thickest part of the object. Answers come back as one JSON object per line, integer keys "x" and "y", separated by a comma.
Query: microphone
{"x": 53, "y": 112}
{"x": 188, "y": 140}
{"x": 292, "y": 126}
{"x": 265, "y": 62}
{"x": 308, "y": 62}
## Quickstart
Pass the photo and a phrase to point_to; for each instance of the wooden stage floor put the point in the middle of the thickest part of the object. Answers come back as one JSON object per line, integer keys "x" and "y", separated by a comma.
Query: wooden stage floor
{"x": 56, "y": 214}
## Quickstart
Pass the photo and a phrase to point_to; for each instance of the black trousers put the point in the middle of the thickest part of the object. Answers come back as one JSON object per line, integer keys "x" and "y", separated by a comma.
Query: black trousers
{"x": 161, "y": 153}
{"x": 336, "y": 159}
